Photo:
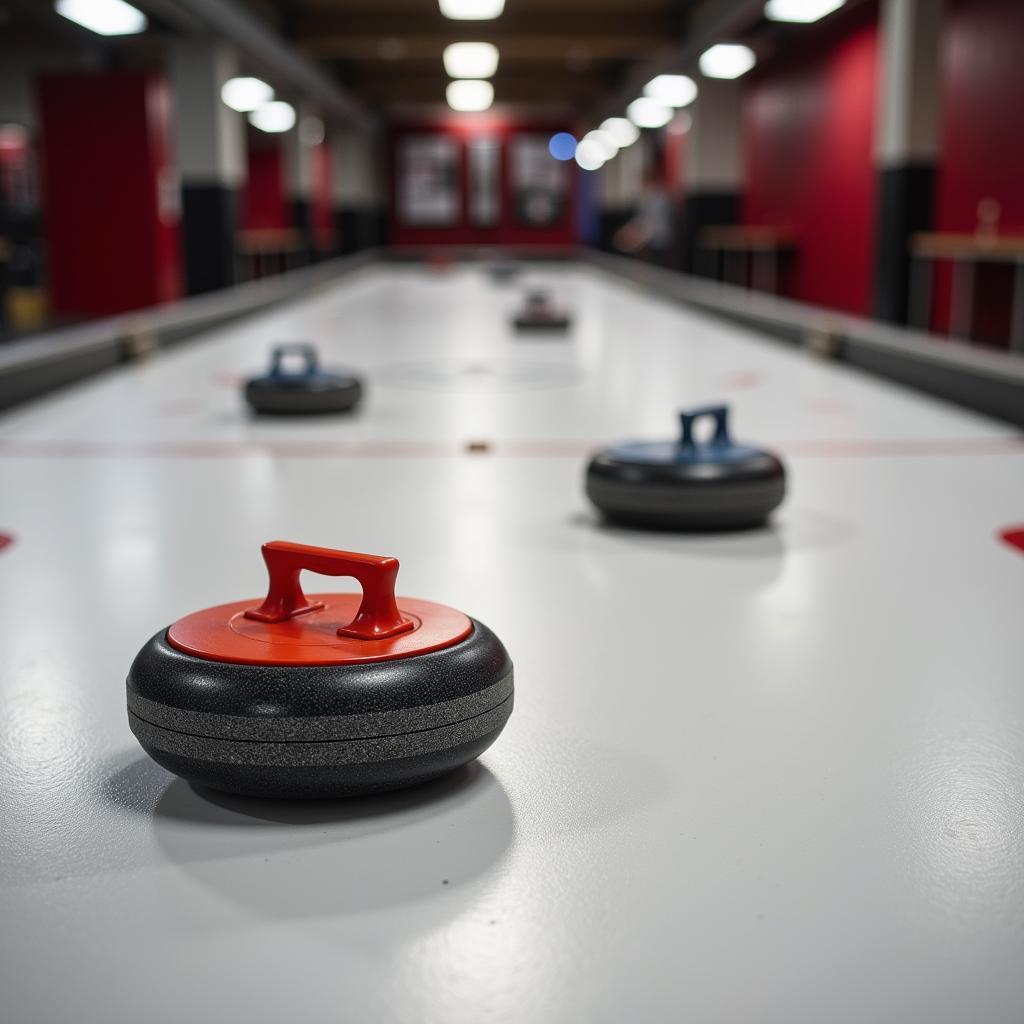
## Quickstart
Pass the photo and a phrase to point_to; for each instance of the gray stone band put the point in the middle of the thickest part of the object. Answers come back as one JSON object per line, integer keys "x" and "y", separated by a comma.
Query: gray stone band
{"x": 324, "y": 752}
{"x": 320, "y": 728}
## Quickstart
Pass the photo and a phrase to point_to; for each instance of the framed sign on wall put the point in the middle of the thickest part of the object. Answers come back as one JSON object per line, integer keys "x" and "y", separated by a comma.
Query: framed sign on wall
{"x": 428, "y": 181}
{"x": 538, "y": 182}
{"x": 484, "y": 181}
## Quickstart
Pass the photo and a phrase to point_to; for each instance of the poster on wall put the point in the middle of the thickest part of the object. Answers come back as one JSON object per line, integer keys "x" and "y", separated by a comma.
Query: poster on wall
{"x": 428, "y": 181}
{"x": 484, "y": 182}
{"x": 538, "y": 182}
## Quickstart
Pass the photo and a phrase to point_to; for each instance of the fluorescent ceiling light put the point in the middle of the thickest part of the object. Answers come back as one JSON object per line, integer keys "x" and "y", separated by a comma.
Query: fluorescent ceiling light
{"x": 604, "y": 141}
{"x": 469, "y": 94}
{"x": 589, "y": 155}
{"x": 244, "y": 94}
{"x": 727, "y": 60}
{"x": 675, "y": 90}
{"x": 804, "y": 11}
{"x": 622, "y": 130}
{"x": 277, "y": 116}
{"x": 471, "y": 10}
{"x": 470, "y": 60}
{"x": 105, "y": 17}
{"x": 647, "y": 113}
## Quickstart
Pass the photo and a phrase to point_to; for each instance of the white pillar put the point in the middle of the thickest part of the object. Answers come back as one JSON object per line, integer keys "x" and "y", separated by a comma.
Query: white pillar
{"x": 359, "y": 187}
{"x": 906, "y": 143}
{"x": 907, "y": 113}
{"x": 713, "y": 174}
{"x": 210, "y": 153}
{"x": 714, "y": 158}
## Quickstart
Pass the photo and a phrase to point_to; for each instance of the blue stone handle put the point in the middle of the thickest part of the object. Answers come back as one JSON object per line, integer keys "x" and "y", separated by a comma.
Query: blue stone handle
{"x": 719, "y": 413}
{"x": 300, "y": 348}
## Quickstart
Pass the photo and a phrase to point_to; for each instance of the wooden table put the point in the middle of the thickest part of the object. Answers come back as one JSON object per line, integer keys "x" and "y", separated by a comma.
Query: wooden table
{"x": 260, "y": 244}
{"x": 964, "y": 251}
{"x": 762, "y": 245}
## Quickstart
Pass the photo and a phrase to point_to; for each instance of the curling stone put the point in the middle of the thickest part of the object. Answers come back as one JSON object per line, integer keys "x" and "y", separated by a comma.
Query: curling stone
{"x": 324, "y": 695}
{"x": 306, "y": 390}
{"x": 687, "y": 484}
{"x": 539, "y": 313}
{"x": 503, "y": 270}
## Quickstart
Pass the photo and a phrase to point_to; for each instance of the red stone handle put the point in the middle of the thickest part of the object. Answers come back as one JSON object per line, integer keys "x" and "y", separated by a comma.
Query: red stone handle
{"x": 378, "y": 616}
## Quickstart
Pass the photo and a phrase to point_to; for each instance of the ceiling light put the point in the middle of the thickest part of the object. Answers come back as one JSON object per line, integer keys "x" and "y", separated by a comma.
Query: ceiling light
{"x": 622, "y": 130}
{"x": 105, "y": 17}
{"x": 804, "y": 11}
{"x": 589, "y": 155}
{"x": 470, "y": 60}
{"x": 469, "y": 94}
{"x": 471, "y": 10}
{"x": 277, "y": 116}
{"x": 244, "y": 94}
{"x": 675, "y": 90}
{"x": 647, "y": 113}
{"x": 562, "y": 146}
{"x": 727, "y": 60}
{"x": 604, "y": 141}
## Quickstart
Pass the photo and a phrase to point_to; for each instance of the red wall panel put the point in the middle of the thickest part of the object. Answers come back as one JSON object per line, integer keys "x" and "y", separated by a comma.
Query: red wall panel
{"x": 981, "y": 124}
{"x": 109, "y": 196}
{"x": 808, "y": 127}
{"x": 982, "y": 144}
{"x": 264, "y": 203}
{"x": 508, "y": 230}
{"x": 323, "y": 204}
{"x": 674, "y": 164}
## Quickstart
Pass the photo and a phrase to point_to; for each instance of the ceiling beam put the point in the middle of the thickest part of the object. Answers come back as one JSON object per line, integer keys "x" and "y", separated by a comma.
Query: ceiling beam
{"x": 289, "y": 68}
{"x": 713, "y": 21}
{"x": 314, "y": 23}
{"x": 590, "y": 46}
{"x": 429, "y": 88}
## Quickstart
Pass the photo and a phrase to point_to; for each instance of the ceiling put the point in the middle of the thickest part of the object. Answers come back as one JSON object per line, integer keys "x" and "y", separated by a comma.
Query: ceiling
{"x": 553, "y": 52}
{"x": 579, "y": 56}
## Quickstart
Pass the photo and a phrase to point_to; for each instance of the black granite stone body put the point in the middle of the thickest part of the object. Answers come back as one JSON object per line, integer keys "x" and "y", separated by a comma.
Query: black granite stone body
{"x": 319, "y": 731}
{"x": 539, "y": 324}
{"x": 302, "y": 394}
{"x": 504, "y": 270}
{"x": 687, "y": 495}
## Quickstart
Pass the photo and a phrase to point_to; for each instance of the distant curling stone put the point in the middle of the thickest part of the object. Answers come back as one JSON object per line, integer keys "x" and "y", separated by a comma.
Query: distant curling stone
{"x": 539, "y": 313}
{"x": 303, "y": 391}
{"x": 503, "y": 270}
{"x": 687, "y": 484}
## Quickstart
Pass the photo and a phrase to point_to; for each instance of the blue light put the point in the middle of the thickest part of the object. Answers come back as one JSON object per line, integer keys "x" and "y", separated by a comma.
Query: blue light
{"x": 562, "y": 146}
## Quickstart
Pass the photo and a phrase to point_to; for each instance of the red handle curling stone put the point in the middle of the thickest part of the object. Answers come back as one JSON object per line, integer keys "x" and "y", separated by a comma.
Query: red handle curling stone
{"x": 321, "y": 695}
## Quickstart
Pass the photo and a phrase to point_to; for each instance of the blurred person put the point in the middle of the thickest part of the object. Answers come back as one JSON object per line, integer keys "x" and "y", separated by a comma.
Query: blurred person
{"x": 650, "y": 232}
